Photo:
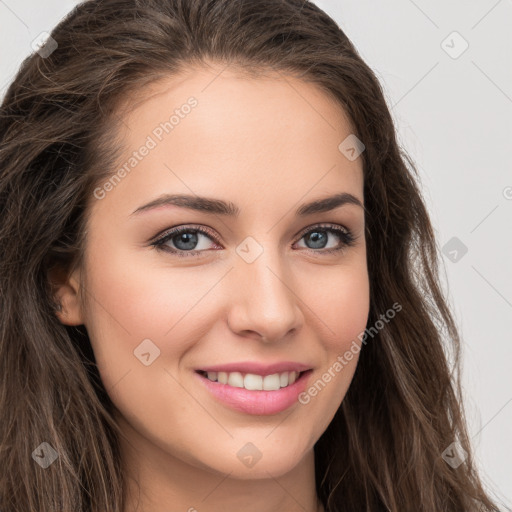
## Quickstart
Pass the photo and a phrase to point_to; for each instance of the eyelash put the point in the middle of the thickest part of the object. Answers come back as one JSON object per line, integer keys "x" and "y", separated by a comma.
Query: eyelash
{"x": 346, "y": 236}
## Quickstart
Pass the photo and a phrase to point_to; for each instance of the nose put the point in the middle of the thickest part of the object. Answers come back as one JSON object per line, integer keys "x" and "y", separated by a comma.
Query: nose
{"x": 264, "y": 303}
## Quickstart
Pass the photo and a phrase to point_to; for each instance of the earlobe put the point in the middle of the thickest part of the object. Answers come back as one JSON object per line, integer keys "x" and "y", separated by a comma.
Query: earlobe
{"x": 66, "y": 296}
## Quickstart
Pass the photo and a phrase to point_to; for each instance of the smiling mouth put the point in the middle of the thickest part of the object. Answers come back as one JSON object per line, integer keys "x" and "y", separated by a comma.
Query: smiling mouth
{"x": 254, "y": 382}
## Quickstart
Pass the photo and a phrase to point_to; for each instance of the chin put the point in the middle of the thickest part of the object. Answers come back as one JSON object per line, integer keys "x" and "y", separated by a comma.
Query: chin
{"x": 259, "y": 460}
{"x": 276, "y": 465}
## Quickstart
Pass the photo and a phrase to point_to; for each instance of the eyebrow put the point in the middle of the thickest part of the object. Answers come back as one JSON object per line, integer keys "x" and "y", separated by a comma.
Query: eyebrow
{"x": 227, "y": 208}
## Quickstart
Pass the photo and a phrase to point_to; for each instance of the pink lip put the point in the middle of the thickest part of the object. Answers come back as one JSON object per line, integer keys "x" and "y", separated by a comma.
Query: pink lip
{"x": 257, "y": 368}
{"x": 256, "y": 402}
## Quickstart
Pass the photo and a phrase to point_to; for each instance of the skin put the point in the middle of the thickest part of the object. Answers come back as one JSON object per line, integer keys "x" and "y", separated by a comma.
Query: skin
{"x": 268, "y": 145}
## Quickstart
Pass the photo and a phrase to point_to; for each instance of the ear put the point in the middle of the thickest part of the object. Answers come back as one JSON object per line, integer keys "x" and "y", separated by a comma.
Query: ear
{"x": 65, "y": 288}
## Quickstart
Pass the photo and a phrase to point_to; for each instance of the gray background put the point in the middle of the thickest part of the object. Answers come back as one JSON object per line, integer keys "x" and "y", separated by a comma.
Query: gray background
{"x": 454, "y": 117}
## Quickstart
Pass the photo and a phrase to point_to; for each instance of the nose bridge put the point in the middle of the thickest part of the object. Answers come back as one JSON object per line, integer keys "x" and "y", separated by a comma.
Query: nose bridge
{"x": 263, "y": 298}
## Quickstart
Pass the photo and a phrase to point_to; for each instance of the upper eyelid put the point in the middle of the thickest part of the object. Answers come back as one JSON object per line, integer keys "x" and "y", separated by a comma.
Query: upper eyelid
{"x": 324, "y": 225}
{"x": 192, "y": 227}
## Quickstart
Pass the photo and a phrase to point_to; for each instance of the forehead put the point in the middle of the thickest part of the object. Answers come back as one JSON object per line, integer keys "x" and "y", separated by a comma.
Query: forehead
{"x": 265, "y": 138}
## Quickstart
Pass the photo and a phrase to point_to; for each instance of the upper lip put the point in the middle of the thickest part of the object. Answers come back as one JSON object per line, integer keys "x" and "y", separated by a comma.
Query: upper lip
{"x": 257, "y": 368}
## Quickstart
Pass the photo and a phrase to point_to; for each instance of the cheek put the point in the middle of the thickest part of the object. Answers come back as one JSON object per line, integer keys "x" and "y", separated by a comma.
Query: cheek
{"x": 132, "y": 299}
{"x": 339, "y": 300}
{"x": 144, "y": 294}
{"x": 339, "y": 305}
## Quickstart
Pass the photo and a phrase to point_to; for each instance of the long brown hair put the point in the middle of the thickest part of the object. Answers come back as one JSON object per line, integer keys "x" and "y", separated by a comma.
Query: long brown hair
{"x": 383, "y": 449}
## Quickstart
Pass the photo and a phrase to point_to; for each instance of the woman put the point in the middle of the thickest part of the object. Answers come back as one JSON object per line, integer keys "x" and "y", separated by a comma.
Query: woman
{"x": 219, "y": 281}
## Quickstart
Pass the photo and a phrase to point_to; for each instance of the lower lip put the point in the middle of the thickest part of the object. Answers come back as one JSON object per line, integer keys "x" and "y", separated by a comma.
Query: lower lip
{"x": 257, "y": 402}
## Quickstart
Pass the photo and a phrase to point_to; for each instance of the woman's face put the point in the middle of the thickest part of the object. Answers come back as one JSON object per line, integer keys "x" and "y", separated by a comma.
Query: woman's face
{"x": 258, "y": 287}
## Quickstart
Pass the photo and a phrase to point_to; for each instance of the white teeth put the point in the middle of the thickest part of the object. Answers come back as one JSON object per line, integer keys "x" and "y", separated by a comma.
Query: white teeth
{"x": 252, "y": 382}
{"x": 236, "y": 380}
{"x": 271, "y": 382}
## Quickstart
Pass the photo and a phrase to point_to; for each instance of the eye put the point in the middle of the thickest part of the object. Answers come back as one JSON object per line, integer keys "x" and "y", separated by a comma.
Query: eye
{"x": 187, "y": 241}
{"x": 317, "y": 238}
